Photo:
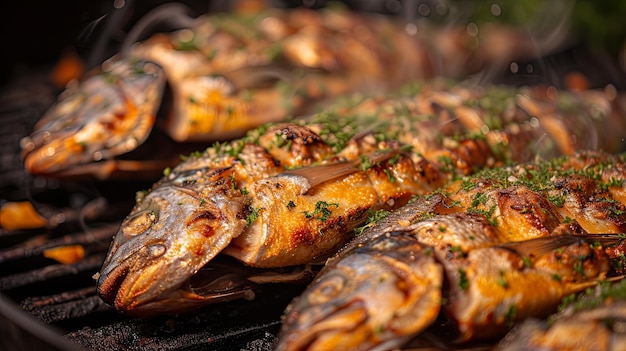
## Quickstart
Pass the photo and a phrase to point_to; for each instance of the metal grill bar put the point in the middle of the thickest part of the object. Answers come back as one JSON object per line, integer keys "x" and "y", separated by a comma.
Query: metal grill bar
{"x": 50, "y": 272}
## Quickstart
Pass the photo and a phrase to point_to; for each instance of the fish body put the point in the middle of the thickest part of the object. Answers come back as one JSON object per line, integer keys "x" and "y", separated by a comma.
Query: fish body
{"x": 504, "y": 242}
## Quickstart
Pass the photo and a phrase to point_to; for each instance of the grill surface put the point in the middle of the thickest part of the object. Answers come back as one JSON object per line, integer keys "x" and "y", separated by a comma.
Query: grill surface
{"x": 62, "y": 297}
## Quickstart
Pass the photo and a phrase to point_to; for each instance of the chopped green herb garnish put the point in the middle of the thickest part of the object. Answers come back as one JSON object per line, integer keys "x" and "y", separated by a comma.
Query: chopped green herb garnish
{"x": 372, "y": 218}
{"x": 252, "y": 215}
{"x": 510, "y": 315}
{"x": 321, "y": 211}
{"x": 527, "y": 262}
{"x": 390, "y": 176}
{"x": 501, "y": 281}
{"x": 463, "y": 281}
{"x": 578, "y": 268}
{"x": 140, "y": 195}
{"x": 366, "y": 163}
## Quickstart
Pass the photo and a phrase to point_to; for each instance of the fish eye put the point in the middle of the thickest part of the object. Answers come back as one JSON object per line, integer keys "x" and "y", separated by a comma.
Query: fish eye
{"x": 139, "y": 223}
{"x": 156, "y": 250}
{"x": 328, "y": 288}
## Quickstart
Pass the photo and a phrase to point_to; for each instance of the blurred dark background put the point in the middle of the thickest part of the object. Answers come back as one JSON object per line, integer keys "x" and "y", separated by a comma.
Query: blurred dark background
{"x": 38, "y": 32}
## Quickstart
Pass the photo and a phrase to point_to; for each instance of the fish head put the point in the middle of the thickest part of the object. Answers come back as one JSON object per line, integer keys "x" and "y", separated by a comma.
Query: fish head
{"x": 107, "y": 114}
{"x": 169, "y": 236}
{"x": 380, "y": 294}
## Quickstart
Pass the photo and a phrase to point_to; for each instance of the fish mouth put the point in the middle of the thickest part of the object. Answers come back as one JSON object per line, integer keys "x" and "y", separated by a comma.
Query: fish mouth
{"x": 138, "y": 292}
{"x": 133, "y": 281}
{"x": 115, "y": 284}
{"x": 148, "y": 290}
{"x": 346, "y": 322}
{"x": 110, "y": 284}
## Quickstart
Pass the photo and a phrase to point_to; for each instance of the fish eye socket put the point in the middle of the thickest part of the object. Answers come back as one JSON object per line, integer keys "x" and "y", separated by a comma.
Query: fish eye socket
{"x": 328, "y": 289}
{"x": 139, "y": 223}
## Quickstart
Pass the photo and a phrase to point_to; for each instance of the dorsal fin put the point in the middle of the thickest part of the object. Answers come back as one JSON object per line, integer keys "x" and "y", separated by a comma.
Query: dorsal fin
{"x": 544, "y": 245}
{"x": 321, "y": 173}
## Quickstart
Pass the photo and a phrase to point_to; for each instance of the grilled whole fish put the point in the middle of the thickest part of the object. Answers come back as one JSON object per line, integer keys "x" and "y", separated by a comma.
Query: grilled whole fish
{"x": 228, "y": 73}
{"x": 290, "y": 194}
{"x": 485, "y": 252}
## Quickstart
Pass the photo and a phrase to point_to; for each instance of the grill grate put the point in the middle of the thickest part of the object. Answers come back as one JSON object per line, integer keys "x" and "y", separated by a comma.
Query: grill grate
{"x": 64, "y": 297}
{"x": 50, "y": 305}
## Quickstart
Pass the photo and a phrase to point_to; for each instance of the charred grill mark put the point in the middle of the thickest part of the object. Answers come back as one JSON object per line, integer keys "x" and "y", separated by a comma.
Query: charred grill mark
{"x": 295, "y": 145}
{"x": 217, "y": 175}
{"x": 203, "y": 220}
{"x": 534, "y": 207}
{"x": 608, "y": 211}
{"x": 307, "y": 235}
{"x": 335, "y": 223}
{"x": 575, "y": 262}
{"x": 249, "y": 213}
{"x": 257, "y": 162}
{"x": 302, "y": 236}
{"x": 188, "y": 182}
{"x": 357, "y": 214}
{"x": 199, "y": 250}
{"x": 471, "y": 155}
{"x": 572, "y": 227}
{"x": 617, "y": 254}
{"x": 428, "y": 171}
{"x": 301, "y": 135}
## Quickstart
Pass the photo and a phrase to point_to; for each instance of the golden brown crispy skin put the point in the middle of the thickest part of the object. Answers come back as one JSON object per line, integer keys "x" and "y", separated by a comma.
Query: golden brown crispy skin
{"x": 292, "y": 193}
{"x": 509, "y": 244}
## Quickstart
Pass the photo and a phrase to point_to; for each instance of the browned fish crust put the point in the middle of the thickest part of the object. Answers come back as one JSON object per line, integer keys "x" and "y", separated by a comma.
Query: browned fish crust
{"x": 292, "y": 193}
{"x": 512, "y": 242}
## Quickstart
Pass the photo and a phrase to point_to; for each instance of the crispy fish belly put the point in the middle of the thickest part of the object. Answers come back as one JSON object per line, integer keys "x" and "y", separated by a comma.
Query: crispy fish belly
{"x": 290, "y": 194}
{"x": 487, "y": 251}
